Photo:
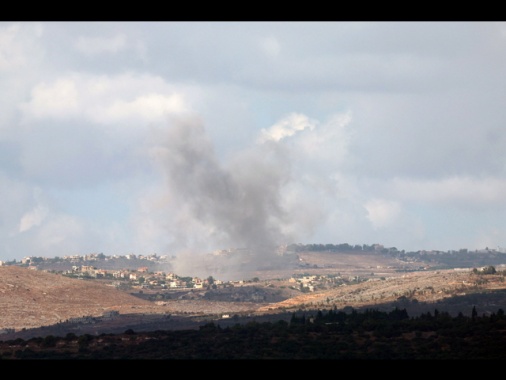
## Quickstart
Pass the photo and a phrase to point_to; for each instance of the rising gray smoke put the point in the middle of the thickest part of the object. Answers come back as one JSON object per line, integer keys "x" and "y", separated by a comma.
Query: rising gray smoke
{"x": 238, "y": 206}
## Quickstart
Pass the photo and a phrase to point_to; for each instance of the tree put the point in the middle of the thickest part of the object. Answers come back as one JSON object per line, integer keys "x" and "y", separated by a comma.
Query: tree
{"x": 49, "y": 341}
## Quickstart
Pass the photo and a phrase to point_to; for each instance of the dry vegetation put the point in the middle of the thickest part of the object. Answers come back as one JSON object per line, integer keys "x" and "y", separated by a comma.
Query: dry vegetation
{"x": 430, "y": 286}
{"x": 32, "y": 298}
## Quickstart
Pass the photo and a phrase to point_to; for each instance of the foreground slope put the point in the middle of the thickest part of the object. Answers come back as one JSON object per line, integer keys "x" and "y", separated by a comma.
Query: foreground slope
{"x": 32, "y": 298}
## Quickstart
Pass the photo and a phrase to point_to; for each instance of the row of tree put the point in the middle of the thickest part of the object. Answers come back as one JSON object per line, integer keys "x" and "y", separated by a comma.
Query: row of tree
{"x": 332, "y": 334}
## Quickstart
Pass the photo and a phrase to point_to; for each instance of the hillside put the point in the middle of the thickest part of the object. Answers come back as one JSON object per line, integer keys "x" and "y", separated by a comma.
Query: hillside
{"x": 428, "y": 287}
{"x": 35, "y": 298}
{"x": 32, "y": 298}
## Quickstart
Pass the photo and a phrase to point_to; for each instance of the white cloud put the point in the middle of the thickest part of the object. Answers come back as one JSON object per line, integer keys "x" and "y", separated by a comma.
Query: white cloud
{"x": 17, "y": 198}
{"x": 381, "y": 212}
{"x": 327, "y": 141}
{"x": 287, "y": 127}
{"x": 18, "y": 45}
{"x": 11, "y": 52}
{"x": 55, "y": 100}
{"x": 126, "y": 98}
{"x": 142, "y": 108}
{"x": 33, "y": 218}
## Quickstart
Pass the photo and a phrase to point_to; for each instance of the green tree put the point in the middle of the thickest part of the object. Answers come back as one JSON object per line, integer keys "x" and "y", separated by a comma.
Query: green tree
{"x": 49, "y": 341}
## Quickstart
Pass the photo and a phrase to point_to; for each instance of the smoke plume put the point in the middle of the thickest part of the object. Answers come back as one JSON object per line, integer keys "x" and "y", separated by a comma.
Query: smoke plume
{"x": 235, "y": 209}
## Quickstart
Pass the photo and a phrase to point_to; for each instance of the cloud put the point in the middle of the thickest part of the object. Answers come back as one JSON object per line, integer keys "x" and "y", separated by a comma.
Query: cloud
{"x": 271, "y": 46}
{"x": 18, "y": 197}
{"x": 382, "y": 213}
{"x": 11, "y": 53}
{"x": 386, "y": 133}
{"x": 145, "y": 107}
{"x": 452, "y": 190}
{"x": 125, "y": 98}
{"x": 81, "y": 130}
{"x": 287, "y": 127}
{"x": 57, "y": 100}
{"x": 33, "y": 218}
{"x": 62, "y": 233}
{"x": 44, "y": 230}
{"x": 98, "y": 45}
{"x": 328, "y": 142}
{"x": 18, "y": 45}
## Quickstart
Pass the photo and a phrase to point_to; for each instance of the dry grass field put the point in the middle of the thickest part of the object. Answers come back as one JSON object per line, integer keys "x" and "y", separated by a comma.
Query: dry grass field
{"x": 34, "y": 298}
{"x": 31, "y": 299}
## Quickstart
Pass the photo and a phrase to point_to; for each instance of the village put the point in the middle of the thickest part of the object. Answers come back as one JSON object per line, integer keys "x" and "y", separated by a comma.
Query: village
{"x": 315, "y": 279}
{"x": 150, "y": 276}
{"x": 139, "y": 274}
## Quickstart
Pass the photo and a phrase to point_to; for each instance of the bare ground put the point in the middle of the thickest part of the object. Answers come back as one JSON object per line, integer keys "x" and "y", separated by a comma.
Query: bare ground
{"x": 32, "y": 298}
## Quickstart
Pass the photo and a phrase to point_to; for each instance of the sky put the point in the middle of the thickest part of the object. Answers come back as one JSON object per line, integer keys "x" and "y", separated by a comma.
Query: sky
{"x": 179, "y": 138}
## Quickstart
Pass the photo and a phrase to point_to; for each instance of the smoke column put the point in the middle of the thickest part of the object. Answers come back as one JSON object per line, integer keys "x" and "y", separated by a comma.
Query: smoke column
{"x": 215, "y": 206}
